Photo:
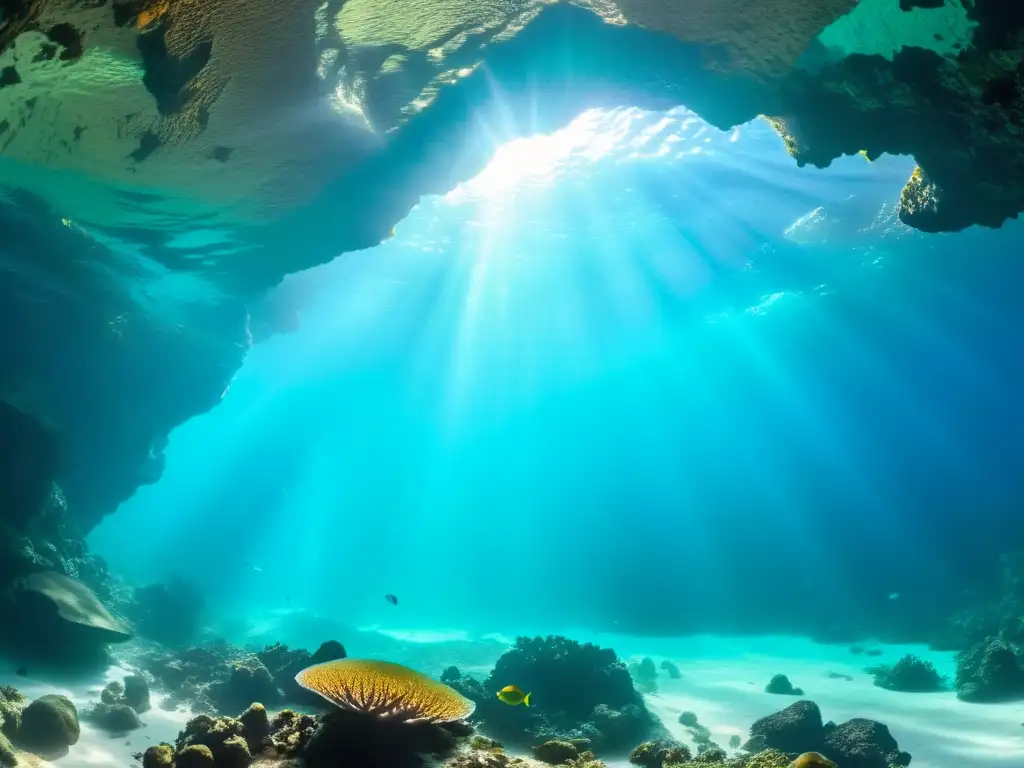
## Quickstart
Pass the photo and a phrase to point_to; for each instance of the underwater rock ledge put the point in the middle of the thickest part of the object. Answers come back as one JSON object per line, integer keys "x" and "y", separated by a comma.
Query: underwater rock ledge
{"x": 144, "y": 103}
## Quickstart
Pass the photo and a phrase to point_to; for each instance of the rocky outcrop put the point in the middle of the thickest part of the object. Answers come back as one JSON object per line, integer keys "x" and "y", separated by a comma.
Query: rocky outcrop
{"x": 100, "y": 99}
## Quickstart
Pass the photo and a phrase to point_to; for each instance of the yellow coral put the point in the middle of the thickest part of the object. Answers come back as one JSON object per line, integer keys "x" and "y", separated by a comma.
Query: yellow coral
{"x": 386, "y": 690}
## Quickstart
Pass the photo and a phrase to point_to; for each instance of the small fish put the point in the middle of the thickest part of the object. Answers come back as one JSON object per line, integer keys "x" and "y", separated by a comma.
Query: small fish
{"x": 391, "y": 599}
{"x": 252, "y": 567}
{"x": 894, "y": 595}
{"x": 513, "y": 696}
{"x": 812, "y": 760}
{"x": 21, "y": 672}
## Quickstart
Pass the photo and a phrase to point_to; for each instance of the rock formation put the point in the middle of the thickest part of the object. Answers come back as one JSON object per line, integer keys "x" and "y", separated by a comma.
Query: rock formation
{"x": 180, "y": 145}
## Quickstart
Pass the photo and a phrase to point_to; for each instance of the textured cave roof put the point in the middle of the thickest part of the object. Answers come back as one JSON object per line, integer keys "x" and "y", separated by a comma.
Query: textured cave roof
{"x": 134, "y": 121}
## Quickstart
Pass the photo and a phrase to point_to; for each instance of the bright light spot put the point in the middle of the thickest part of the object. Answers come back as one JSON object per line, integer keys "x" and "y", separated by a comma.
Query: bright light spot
{"x": 535, "y": 159}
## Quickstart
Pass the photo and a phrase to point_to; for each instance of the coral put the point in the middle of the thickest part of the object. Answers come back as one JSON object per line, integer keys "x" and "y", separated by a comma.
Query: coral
{"x": 215, "y": 678}
{"x": 285, "y": 664}
{"x": 222, "y": 737}
{"x": 671, "y": 669}
{"x": 255, "y": 726}
{"x": 450, "y": 675}
{"x": 196, "y": 756}
{"x": 158, "y": 756}
{"x": 12, "y": 702}
{"x": 911, "y": 674}
{"x": 989, "y": 671}
{"x": 116, "y": 718}
{"x": 482, "y": 742}
{"x": 655, "y": 754}
{"x": 49, "y": 725}
{"x": 586, "y": 760}
{"x": 579, "y": 691}
{"x": 795, "y": 729}
{"x": 556, "y": 752}
{"x": 768, "y": 758}
{"x": 248, "y": 681}
{"x": 7, "y": 756}
{"x": 711, "y": 756}
{"x": 386, "y": 690}
{"x": 780, "y": 684}
{"x": 862, "y": 743}
{"x": 290, "y": 732}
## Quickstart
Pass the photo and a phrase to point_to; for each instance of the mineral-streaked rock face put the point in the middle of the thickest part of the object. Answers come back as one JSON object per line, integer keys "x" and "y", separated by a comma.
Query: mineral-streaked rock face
{"x": 127, "y": 124}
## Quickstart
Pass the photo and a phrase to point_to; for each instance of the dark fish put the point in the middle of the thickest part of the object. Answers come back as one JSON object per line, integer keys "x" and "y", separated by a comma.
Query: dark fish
{"x": 391, "y": 599}
{"x": 21, "y": 672}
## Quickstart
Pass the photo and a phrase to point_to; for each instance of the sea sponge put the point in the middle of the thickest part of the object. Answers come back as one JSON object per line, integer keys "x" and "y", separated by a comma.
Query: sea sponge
{"x": 386, "y": 690}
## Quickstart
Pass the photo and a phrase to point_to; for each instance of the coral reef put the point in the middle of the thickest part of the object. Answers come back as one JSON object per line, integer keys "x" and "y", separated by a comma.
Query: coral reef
{"x": 989, "y": 671}
{"x": 910, "y": 674}
{"x": 285, "y": 664}
{"x": 579, "y": 691}
{"x": 780, "y": 684}
{"x": 213, "y": 678}
{"x": 700, "y": 733}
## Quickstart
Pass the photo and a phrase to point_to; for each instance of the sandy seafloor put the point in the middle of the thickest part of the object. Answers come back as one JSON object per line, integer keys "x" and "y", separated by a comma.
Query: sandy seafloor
{"x": 722, "y": 681}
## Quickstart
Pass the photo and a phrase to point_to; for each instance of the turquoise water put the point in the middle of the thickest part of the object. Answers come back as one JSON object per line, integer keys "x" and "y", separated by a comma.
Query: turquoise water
{"x": 641, "y": 375}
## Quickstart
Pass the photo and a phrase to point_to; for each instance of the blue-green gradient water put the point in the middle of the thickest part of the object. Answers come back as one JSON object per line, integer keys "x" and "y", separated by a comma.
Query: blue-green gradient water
{"x": 640, "y": 376}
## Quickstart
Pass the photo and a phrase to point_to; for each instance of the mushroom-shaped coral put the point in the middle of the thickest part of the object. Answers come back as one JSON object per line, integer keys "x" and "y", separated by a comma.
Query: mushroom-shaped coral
{"x": 386, "y": 690}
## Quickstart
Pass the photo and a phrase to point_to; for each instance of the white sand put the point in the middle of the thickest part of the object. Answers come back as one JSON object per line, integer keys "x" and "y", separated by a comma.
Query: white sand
{"x": 95, "y": 748}
{"x": 722, "y": 681}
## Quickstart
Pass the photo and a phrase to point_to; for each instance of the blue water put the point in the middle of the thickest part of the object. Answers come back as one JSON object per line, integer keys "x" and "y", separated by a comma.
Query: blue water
{"x": 642, "y": 376}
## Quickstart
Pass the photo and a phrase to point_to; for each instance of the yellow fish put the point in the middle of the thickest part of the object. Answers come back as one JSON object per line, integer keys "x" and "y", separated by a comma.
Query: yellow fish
{"x": 513, "y": 696}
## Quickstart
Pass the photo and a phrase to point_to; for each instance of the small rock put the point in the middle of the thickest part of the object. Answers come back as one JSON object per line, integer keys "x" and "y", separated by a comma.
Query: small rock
{"x": 116, "y": 718}
{"x": 136, "y": 693}
{"x": 671, "y": 669}
{"x": 780, "y": 684}
{"x": 797, "y": 728}
{"x": 555, "y": 752}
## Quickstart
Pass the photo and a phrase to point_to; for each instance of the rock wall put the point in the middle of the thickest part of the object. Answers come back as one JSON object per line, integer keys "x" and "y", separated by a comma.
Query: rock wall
{"x": 183, "y": 144}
